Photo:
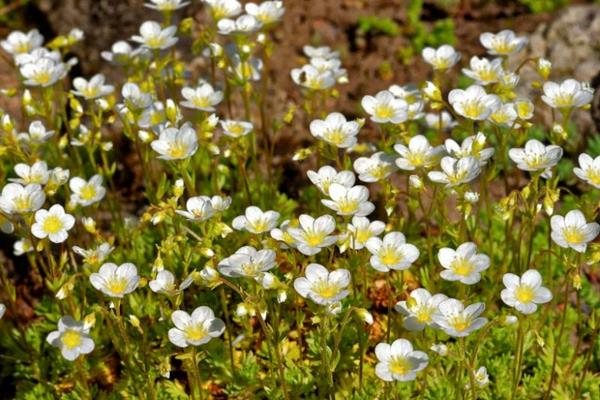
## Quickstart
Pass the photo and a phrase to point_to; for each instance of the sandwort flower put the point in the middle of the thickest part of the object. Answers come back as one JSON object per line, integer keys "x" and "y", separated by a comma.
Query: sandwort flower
{"x": 37, "y": 173}
{"x": 484, "y": 71}
{"x": 335, "y": 130}
{"x": 244, "y": 24}
{"x": 267, "y": 12}
{"x": 526, "y": 292}
{"x": 503, "y": 43}
{"x": 588, "y": 170}
{"x": 236, "y": 129}
{"x": 419, "y": 308}
{"x": 176, "y": 144}
{"x": 166, "y": 5}
{"x": 96, "y": 255}
{"x": 442, "y": 58}
{"x": 463, "y": 264}
{"x": 72, "y": 338}
{"x": 21, "y": 43}
{"x": 398, "y": 361}
{"x": 440, "y": 121}
{"x": 385, "y": 107}
{"x": 327, "y": 175}
{"x": 224, "y": 8}
{"x": 92, "y": 89}
{"x": 456, "y": 172}
{"x": 392, "y": 252}
{"x": 360, "y": 230}
{"x": 573, "y": 230}
{"x": 87, "y": 192}
{"x": 567, "y": 94}
{"x": 203, "y": 97}
{"x": 154, "y": 37}
{"x": 199, "y": 208}
{"x": 255, "y": 220}
{"x": 313, "y": 234}
{"x": 115, "y": 281}
{"x": 16, "y": 198}
{"x": 458, "y": 321}
{"x": 53, "y": 224}
{"x": 473, "y": 146}
{"x": 535, "y": 156}
{"x": 375, "y": 168}
{"x": 196, "y": 329}
{"x": 349, "y": 201}
{"x": 36, "y": 133}
{"x": 43, "y": 72}
{"x": 165, "y": 283}
{"x": 310, "y": 77}
{"x": 248, "y": 262}
{"x": 473, "y": 103}
{"x": 418, "y": 154}
{"x": 320, "y": 52}
{"x": 321, "y": 286}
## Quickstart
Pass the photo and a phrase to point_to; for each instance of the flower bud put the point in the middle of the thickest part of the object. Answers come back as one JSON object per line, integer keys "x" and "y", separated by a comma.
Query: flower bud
{"x": 439, "y": 348}
{"x": 89, "y": 224}
{"x": 544, "y": 67}
{"x": 432, "y": 92}
{"x": 415, "y": 182}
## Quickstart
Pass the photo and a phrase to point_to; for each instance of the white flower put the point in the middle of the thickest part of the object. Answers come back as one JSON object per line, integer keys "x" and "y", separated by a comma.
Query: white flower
{"x": 72, "y": 338}
{"x": 398, "y": 361}
{"x": 503, "y": 43}
{"x": 196, "y": 329}
{"x": 134, "y": 98}
{"x": 53, "y": 223}
{"x": 328, "y": 175}
{"x": 255, "y": 220}
{"x": 36, "y": 133}
{"x": 456, "y": 172}
{"x": 248, "y": 70}
{"x": 335, "y": 130}
{"x": 588, "y": 170}
{"x": 313, "y": 234}
{"x": 22, "y": 246}
{"x": 504, "y": 116}
{"x": 440, "y": 121}
{"x": 243, "y": 24}
{"x": 481, "y": 377}
{"x": 94, "y": 256}
{"x": 224, "y": 8}
{"x": 248, "y": 262}
{"x": 176, "y": 144}
{"x": 199, "y": 208}
{"x": 439, "y": 348}
{"x": 442, "y": 58}
{"x": 2, "y": 310}
{"x": 153, "y": 36}
{"x": 165, "y": 283}
{"x": 384, "y": 107}
{"x": 524, "y": 108}
{"x": 567, "y": 94}
{"x": 418, "y": 154}
{"x": 167, "y": 5}
{"x": 312, "y": 78}
{"x": 349, "y": 201}
{"x": 473, "y": 103}
{"x": 19, "y": 199}
{"x": 471, "y": 197}
{"x": 220, "y": 204}
{"x": 320, "y": 52}
{"x": 22, "y": 43}
{"x": 120, "y": 53}
{"x": 332, "y": 65}
{"x": 281, "y": 234}
{"x": 37, "y": 173}
{"x": 115, "y": 281}
{"x": 473, "y": 146}
{"x": 92, "y": 89}
{"x": 375, "y": 168}
{"x": 458, "y": 321}
{"x": 432, "y": 92}
{"x": 419, "y": 308}
{"x": 535, "y": 156}
{"x": 573, "y": 231}
{"x": 484, "y": 71}
{"x": 526, "y": 292}
{"x": 236, "y": 129}
{"x": 267, "y": 12}
{"x": 203, "y": 97}
{"x": 361, "y": 230}
{"x": 463, "y": 264}
{"x": 392, "y": 252}
{"x": 321, "y": 286}
{"x": 43, "y": 72}
{"x": 87, "y": 192}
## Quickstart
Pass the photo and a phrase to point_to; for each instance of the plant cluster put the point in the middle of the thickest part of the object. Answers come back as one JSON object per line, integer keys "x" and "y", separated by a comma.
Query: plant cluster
{"x": 444, "y": 247}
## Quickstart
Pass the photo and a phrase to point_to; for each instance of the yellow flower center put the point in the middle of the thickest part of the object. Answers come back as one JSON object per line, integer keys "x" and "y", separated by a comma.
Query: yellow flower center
{"x": 260, "y": 225}
{"x": 42, "y": 77}
{"x": 362, "y": 235}
{"x": 250, "y": 269}
{"x": 383, "y": 111}
{"x": 423, "y": 315}
{"x": 462, "y": 267}
{"x": 21, "y": 47}
{"x": 573, "y": 235}
{"x": 90, "y": 91}
{"x": 389, "y": 256}
{"x": 535, "y": 161}
{"x": 593, "y": 176}
{"x": 88, "y": 192}
{"x": 472, "y": 109}
{"x": 52, "y": 224}
{"x": 22, "y": 203}
{"x": 441, "y": 63}
{"x": 400, "y": 366}
{"x": 487, "y": 75}
{"x": 563, "y": 100}
{"x": 177, "y": 149}
{"x": 524, "y": 109}
{"x": 314, "y": 82}
{"x": 524, "y": 294}
{"x": 201, "y": 102}
{"x": 347, "y": 206}
{"x": 116, "y": 285}
{"x": 326, "y": 290}
{"x": 335, "y": 136}
{"x": 71, "y": 339}
{"x": 416, "y": 159}
{"x": 236, "y": 129}
{"x": 154, "y": 42}
{"x": 460, "y": 322}
{"x": 195, "y": 332}
{"x": 503, "y": 47}
{"x": 314, "y": 239}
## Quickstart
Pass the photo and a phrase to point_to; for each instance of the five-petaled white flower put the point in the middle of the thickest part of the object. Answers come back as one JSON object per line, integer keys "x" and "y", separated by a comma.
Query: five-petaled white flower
{"x": 312, "y": 78}
{"x": 375, "y": 168}
{"x": 463, "y": 264}
{"x": 36, "y": 133}
{"x": 53, "y": 223}
{"x": 535, "y": 156}
{"x": 484, "y": 71}
{"x": 474, "y": 103}
{"x": 236, "y": 129}
{"x": 503, "y": 43}
{"x": 167, "y": 5}
{"x": 196, "y": 329}
{"x": 199, "y": 208}
{"x": 567, "y": 94}
{"x": 92, "y": 89}
{"x": 165, "y": 283}
{"x": 360, "y": 231}
{"x": 526, "y": 292}
{"x": 320, "y": 52}
{"x": 588, "y": 170}
{"x": 43, "y": 72}
{"x": 573, "y": 230}
{"x": 16, "y": 198}
{"x": 385, "y": 107}
{"x": 458, "y": 321}
{"x": 313, "y": 234}
{"x": 440, "y": 121}
{"x": 419, "y": 308}
{"x": 267, "y": 12}
{"x": 473, "y": 146}
{"x": 203, "y": 97}
{"x": 87, "y": 192}
{"x": 442, "y": 58}
{"x": 327, "y": 175}
{"x": 321, "y": 286}
{"x": 391, "y": 253}
{"x": 176, "y": 144}
{"x": 349, "y": 201}
{"x": 37, "y": 173}
{"x": 456, "y": 172}
{"x": 505, "y": 116}
{"x": 399, "y": 361}
{"x": 255, "y": 220}
{"x": 418, "y": 154}
{"x": 335, "y": 130}
{"x": 72, "y": 338}
{"x": 224, "y": 8}
{"x": 248, "y": 262}
{"x": 22, "y": 43}
{"x": 115, "y": 281}
{"x": 154, "y": 37}
{"x": 96, "y": 255}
